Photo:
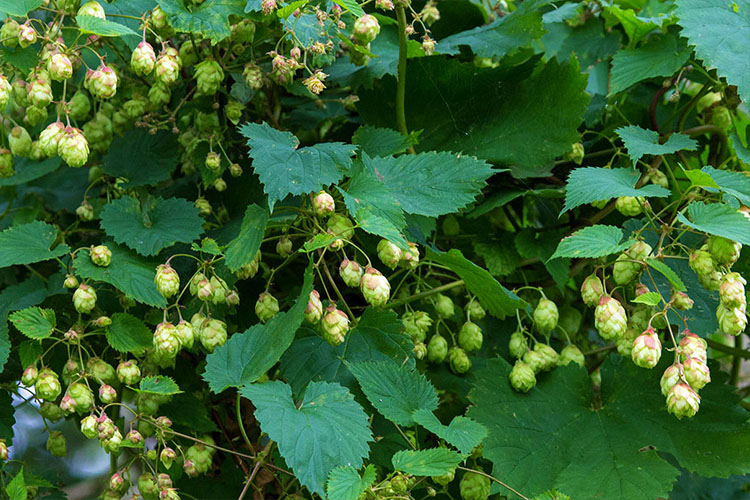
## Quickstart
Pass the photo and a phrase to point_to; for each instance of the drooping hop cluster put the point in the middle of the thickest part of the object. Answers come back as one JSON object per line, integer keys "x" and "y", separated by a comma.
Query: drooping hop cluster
{"x": 689, "y": 373}
{"x": 646, "y": 350}
{"x": 628, "y": 266}
{"x": 610, "y": 318}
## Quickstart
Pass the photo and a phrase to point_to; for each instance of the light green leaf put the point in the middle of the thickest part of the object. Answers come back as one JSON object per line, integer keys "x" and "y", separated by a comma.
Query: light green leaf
{"x": 130, "y": 273}
{"x": 498, "y": 300}
{"x": 668, "y": 273}
{"x": 700, "y": 178}
{"x": 153, "y": 225}
{"x": 350, "y": 5}
{"x": 247, "y": 356}
{"x": 496, "y": 114}
{"x": 29, "y": 243}
{"x": 19, "y": 8}
{"x": 719, "y": 219}
{"x": 373, "y": 206}
{"x": 637, "y": 26}
{"x": 378, "y": 336}
{"x": 382, "y": 141}
{"x": 128, "y": 154}
{"x": 102, "y": 27}
{"x": 344, "y": 483}
{"x": 288, "y": 9}
{"x": 128, "y": 334}
{"x": 210, "y": 18}
{"x": 16, "y": 489}
{"x": 242, "y": 249}
{"x": 395, "y": 390}
{"x": 589, "y": 184}
{"x": 327, "y": 430}
{"x": 648, "y": 298}
{"x": 159, "y": 385}
{"x": 320, "y": 240}
{"x": 34, "y": 322}
{"x": 462, "y": 432}
{"x": 736, "y": 184}
{"x": 609, "y": 445}
{"x": 719, "y": 31}
{"x": 505, "y": 35}
{"x": 640, "y": 141}
{"x": 284, "y": 169}
{"x": 662, "y": 56}
{"x": 592, "y": 241}
{"x": 431, "y": 183}
{"x": 431, "y": 462}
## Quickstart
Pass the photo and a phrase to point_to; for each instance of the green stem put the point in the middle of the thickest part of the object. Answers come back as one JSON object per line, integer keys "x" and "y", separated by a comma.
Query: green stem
{"x": 241, "y": 424}
{"x": 418, "y": 296}
{"x": 737, "y": 363}
{"x": 737, "y": 352}
{"x": 401, "y": 85}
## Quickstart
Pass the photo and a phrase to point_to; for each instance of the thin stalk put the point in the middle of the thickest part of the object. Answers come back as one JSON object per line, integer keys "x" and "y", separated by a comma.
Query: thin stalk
{"x": 418, "y": 296}
{"x": 401, "y": 85}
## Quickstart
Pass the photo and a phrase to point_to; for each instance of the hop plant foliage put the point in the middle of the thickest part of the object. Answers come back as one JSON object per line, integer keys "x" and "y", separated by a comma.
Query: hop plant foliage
{"x": 241, "y": 239}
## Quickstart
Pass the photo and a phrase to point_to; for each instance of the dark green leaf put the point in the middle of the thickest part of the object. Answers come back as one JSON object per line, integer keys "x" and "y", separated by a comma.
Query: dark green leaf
{"x": 662, "y": 56}
{"x": 159, "y": 385}
{"x": 328, "y": 429}
{"x": 7, "y": 417}
{"x": 500, "y": 257}
{"x": 589, "y": 184}
{"x": 431, "y": 184}
{"x": 462, "y": 432}
{"x": 497, "y": 299}
{"x": 128, "y": 334}
{"x": 189, "y": 412}
{"x": 382, "y": 141}
{"x": 668, "y": 273}
{"x": 129, "y": 153}
{"x": 736, "y": 184}
{"x": 285, "y": 169}
{"x": 29, "y": 243}
{"x": 560, "y": 435}
{"x": 34, "y": 322}
{"x": 640, "y": 141}
{"x": 503, "y": 36}
{"x": 377, "y": 337}
{"x": 247, "y": 356}
{"x": 344, "y": 483}
{"x": 132, "y": 274}
{"x": 209, "y": 18}
{"x": 29, "y": 352}
{"x": 431, "y": 462}
{"x": 102, "y": 27}
{"x": 373, "y": 206}
{"x": 395, "y": 390}
{"x": 493, "y": 114}
{"x": 149, "y": 227}
{"x": 242, "y": 249}
{"x": 28, "y": 170}
{"x": 592, "y": 241}
{"x": 719, "y": 219}
{"x": 719, "y": 32}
